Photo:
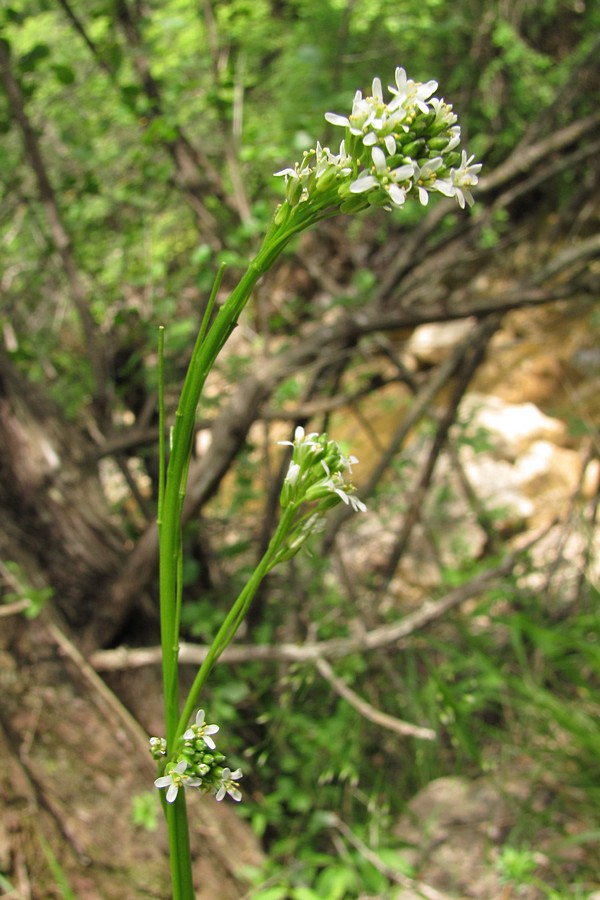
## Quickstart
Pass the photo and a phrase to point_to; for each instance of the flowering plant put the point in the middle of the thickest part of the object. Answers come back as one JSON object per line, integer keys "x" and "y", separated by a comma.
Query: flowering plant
{"x": 407, "y": 146}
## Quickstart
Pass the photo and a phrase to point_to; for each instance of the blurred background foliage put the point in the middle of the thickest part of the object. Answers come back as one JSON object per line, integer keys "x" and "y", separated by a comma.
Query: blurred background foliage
{"x": 160, "y": 125}
{"x": 247, "y": 83}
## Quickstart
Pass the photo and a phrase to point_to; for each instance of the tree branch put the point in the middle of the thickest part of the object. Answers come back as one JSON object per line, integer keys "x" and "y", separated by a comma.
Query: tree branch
{"x": 477, "y": 345}
{"x": 405, "y": 729}
{"x": 375, "y": 639}
{"x": 59, "y": 234}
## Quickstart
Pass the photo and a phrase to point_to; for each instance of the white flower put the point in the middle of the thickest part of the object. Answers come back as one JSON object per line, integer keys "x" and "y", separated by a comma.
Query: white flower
{"x": 363, "y": 111}
{"x": 409, "y": 93}
{"x": 444, "y": 114}
{"x": 176, "y": 779}
{"x": 464, "y": 178}
{"x": 229, "y": 784}
{"x": 425, "y": 178}
{"x": 365, "y": 180}
{"x": 292, "y": 474}
{"x": 349, "y": 499}
{"x": 201, "y": 730}
{"x": 158, "y": 747}
{"x": 336, "y": 484}
{"x": 384, "y": 177}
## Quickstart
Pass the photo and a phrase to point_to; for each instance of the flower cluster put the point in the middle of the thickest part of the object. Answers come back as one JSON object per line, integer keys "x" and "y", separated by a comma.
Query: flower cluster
{"x": 392, "y": 149}
{"x": 315, "y": 476}
{"x": 198, "y": 764}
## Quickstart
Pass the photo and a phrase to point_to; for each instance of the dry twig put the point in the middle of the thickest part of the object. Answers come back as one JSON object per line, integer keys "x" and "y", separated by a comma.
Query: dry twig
{"x": 406, "y": 729}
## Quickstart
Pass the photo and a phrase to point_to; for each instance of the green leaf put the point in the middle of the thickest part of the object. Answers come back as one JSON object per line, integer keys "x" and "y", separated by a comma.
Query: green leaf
{"x": 30, "y": 60}
{"x": 65, "y": 74}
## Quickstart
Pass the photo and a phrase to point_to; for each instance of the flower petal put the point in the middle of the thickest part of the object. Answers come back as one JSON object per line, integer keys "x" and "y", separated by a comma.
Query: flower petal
{"x": 163, "y": 781}
{"x": 363, "y": 183}
{"x": 334, "y": 119}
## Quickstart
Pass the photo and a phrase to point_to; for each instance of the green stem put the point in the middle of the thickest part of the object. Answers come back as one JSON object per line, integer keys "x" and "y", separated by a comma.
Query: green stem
{"x": 172, "y": 489}
{"x": 235, "y": 617}
{"x": 206, "y": 350}
{"x": 161, "y": 422}
{"x": 180, "y": 856}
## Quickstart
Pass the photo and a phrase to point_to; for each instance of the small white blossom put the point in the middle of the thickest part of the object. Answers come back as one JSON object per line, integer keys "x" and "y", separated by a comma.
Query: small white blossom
{"x": 349, "y": 499}
{"x": 444, "y": 114}
{"x": 158, "y": 747}
{"x": 176, "y": 779}
{"x": 292, "y": 473}
{"x": 381, "y": 176}
{"x": 409, "y": 93}
{"x": 360, "y": 118}
{"x": 425, "y": 178}
{"x": 229, "y": 784}
{"x": 464, "y": 178}
{"x": 336, "y": 484}
{"x": 201, "y": 730}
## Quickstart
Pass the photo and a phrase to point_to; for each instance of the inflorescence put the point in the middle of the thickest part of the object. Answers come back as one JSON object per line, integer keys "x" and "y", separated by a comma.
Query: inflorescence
{"x": 315, "y": 482}
{"x": 405, "y": 146}
{"x": 198, "y": 764}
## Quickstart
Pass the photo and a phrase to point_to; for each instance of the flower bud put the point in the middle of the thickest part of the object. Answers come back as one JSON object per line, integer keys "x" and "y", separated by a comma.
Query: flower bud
{"x": 413, "y": 147}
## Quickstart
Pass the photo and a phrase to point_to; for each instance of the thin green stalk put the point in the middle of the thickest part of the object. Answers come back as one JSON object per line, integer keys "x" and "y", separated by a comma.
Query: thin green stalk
{"x": 171, "y": 499}
{"x": 211, "y": 304}
{"x": 161, "y": 423}
{"x": 209, "y": 343}
{"x": 180, "y": 856}
{"x": 205, "y": 353}
{"x": 234, "y": 618}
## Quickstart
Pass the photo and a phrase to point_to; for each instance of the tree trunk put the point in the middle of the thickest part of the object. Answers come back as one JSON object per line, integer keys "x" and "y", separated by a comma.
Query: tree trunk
{"x": 54, "y": 518}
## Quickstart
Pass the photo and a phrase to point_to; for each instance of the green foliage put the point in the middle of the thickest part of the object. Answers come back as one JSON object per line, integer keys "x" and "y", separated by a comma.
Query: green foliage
{"x": 519, "y": 682}
{"x": 22, "y": 591}
{"x": 134, "y": 235}
{"x": 62, "y": 883}
{"x": 145, "y": 809}
{"x": 257, "y": 85}
{"x": 516, "y": 866}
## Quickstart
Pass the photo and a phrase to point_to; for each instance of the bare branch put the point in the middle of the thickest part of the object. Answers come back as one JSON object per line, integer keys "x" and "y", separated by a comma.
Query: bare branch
{"x": 427, "y": 892}
{"x": 406, "y": 729}
{"x": 377, "y": 638}
{"x": 195, "y": 173}
{"x": 478, "y": 342}
{"x": 59, "y": 234}
{"x": 13, "y": 609}
{"x": 523, "y": 159}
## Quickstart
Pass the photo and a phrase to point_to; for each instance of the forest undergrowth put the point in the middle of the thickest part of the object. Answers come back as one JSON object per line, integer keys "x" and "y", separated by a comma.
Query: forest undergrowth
{"x": 449, "y": 635}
